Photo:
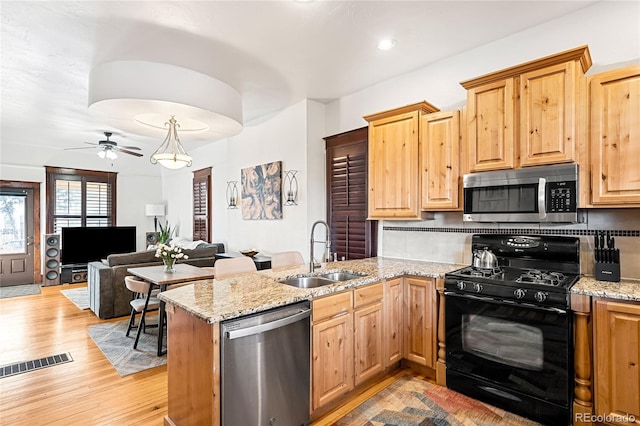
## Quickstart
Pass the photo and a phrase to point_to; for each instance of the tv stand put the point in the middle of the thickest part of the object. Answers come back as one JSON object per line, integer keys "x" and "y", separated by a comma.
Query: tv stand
{"x": 73, "y": 273}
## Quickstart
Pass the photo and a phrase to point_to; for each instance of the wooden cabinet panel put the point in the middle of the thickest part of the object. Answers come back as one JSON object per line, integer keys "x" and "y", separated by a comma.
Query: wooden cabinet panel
{"x": 332, "y": 359}
{"x": 615, "y": 137}
{"x": 331, "y": 305}
{"x": 419, "y": 321}
{"x": 368, "y": 294}
{"x": 393, "y": 299}
{"x": 394, "y": 162}
{"x": 617, "y": 359}
{"x": 368, "y": 356}
{"x": 548, "y": 115}
{"x": 440, "y": 154}
{"x": 491, "y": 126}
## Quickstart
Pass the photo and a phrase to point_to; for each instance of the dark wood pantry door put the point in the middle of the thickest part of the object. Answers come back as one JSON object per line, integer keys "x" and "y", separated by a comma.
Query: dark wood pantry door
{"x": 352, "y": 235}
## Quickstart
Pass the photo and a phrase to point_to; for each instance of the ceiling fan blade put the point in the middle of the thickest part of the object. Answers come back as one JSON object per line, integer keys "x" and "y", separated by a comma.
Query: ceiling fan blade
{"x": 129, "y": 147}
{"x": 91, "y": 143}
{"x": 82, "y": 147}
{"x": 129, "y": 152}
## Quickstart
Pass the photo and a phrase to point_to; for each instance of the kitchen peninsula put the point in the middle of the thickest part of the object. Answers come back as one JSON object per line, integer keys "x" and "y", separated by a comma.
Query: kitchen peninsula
{"x": 195, "y": 312}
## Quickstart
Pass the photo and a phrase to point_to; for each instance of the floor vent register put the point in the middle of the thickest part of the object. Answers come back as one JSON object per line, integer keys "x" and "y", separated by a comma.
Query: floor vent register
{"x": 36, "y": 364}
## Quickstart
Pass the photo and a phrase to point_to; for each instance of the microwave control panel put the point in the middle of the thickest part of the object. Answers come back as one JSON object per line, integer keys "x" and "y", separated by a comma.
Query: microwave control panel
{"x": 561, "y": 197}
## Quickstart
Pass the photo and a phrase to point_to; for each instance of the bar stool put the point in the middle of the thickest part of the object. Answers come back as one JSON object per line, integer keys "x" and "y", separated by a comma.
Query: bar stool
{"x": 233, "y": 266}
{"x": 286, "y": 258}
{"x": 140, "y": 290}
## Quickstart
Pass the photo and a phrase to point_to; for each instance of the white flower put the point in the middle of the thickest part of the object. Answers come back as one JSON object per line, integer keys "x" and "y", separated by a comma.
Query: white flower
{"x": 186, "y": 257}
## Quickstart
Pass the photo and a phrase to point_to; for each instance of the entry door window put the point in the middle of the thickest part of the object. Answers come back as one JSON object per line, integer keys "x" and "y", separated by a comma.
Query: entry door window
{"x": 13, "y": 237}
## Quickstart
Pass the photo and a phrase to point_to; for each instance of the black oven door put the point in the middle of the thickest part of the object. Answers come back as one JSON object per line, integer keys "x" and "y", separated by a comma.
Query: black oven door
{"x": 514, "y": 347}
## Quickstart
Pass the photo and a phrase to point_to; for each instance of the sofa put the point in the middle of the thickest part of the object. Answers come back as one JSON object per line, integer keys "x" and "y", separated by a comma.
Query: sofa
{"x": 108, "y": 294}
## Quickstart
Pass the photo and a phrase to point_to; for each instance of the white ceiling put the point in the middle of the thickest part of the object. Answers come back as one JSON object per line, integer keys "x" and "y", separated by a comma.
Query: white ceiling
{"x": 274, "y": 53}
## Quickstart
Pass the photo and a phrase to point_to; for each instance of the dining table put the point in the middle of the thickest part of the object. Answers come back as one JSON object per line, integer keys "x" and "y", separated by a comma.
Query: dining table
{"x": 157, "y": 277}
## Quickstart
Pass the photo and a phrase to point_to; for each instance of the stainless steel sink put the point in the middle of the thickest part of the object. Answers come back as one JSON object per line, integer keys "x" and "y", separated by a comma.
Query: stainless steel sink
{"x": 342, "y": 276}
{"x": 307, "y": 282}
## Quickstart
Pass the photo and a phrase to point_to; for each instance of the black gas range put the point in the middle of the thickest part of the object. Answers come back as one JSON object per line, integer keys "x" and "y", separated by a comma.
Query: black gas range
{"x": 509, "y": 327}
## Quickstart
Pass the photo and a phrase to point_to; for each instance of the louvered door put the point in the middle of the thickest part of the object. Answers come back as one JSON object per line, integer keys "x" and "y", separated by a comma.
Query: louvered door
{"x": 201, "y": 205}
{"x": 352, "y": 236}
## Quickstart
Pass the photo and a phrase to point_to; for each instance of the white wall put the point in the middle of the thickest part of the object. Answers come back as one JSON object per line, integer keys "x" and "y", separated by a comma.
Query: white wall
{"x": 293, "y": 136}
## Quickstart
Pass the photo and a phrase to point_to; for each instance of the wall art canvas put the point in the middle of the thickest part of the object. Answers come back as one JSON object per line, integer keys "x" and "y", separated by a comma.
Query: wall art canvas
{"x": 262, "y": 191}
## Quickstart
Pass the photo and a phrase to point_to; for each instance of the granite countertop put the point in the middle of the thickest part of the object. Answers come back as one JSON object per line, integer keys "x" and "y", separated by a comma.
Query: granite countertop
{"x": 626, "y": 289}
{"x": 243, "y": 294}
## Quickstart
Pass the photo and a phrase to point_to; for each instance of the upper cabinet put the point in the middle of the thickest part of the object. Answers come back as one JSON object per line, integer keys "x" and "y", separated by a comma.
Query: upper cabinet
{"x": 615, "y": 138}
{"x": 528, "y": 115}
{"x": 394, "y": 162}
{"x": 440, "y": 158}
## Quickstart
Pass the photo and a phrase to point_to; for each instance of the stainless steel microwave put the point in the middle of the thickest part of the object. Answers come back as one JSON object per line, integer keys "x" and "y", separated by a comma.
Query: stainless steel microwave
{"x": 534, "y": 194}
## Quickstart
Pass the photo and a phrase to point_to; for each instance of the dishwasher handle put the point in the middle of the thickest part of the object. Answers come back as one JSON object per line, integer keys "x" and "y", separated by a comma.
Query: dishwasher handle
{"x": 261, "y": 328}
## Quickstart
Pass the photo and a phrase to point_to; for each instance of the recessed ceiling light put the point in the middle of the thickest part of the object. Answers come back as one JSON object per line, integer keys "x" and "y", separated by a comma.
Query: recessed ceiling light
{"x": 387, "y": 44}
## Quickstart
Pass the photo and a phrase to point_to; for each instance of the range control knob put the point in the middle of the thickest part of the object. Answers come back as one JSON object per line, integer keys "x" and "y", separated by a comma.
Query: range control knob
{"x": 519, "y": 293}
{"x": 461, "y": 285}
{"x": 477, "y": 287}
{"x": 540, "y": 296}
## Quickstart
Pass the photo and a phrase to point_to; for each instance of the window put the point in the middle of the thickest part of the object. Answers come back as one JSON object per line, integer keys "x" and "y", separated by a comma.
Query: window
{"x": 201, "y": 205}
{"x": 80, "y": 198}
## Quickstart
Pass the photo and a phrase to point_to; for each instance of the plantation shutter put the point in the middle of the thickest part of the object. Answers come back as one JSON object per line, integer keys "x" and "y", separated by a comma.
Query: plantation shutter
{"x": 202, "y": 205}
{"x": 352, "y": 236}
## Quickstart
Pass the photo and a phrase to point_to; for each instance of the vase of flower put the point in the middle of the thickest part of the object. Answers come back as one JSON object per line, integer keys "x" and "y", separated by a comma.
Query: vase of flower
{"x": 169, "y": 254}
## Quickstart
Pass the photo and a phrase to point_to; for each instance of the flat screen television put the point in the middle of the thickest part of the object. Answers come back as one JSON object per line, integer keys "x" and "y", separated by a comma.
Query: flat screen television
{"x": 87, "y": 244}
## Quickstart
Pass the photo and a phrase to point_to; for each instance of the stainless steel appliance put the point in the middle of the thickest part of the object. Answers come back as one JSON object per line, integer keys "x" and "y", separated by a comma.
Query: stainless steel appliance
{"x": 509, "y": 328}
{"x": 265, "y": 368}
{"x": 535, "y": 194}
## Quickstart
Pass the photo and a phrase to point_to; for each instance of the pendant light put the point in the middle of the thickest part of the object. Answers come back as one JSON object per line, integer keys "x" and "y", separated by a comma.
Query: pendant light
{"x": 171, "y": 154}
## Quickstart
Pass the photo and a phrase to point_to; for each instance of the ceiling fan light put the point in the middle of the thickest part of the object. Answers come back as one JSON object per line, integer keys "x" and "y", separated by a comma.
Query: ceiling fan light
{"x": 101, "y": 154}
{"x": 111, "y": 155}
{"x": 171, "y": 154}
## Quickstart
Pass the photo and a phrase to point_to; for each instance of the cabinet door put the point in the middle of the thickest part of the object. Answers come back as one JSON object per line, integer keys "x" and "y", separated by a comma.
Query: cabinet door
{"x": 491, "y": 126}
{"x": 617, "y": 359}
{"x": 548, "y": 115}
{"x": 332, "y": 362}
{"x": 440, "y": 153}
{"x": 615, "y": 137}
{"x": 368, "y": 342}
{"x": 394, "y": 185}
{"x": 393, "y": 321}
{"x": 419, "y": 321}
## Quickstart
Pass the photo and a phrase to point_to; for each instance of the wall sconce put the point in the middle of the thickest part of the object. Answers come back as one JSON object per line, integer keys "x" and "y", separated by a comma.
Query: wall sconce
{"x": 290, "y": 187}
{"x": 232, "y": 194}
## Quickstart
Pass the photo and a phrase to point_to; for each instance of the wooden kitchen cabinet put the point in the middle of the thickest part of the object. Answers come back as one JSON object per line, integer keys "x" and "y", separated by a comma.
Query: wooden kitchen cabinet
{"x": 440, "y": 160}
{"x": 332, "y": 348}
{"x": 393, "y": 321}
{"x": 615, "y": 138}
{"x": 617, "y": 360}
{"x": 420, "y": 319}
{"x": 394, "y": 162}
{"x": 530, "y": 114}
{"x": 368, "y": 324}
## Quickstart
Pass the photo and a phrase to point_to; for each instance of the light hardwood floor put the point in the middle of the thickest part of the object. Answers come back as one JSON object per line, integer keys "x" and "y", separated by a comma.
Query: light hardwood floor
{"x": 87, "y": 391}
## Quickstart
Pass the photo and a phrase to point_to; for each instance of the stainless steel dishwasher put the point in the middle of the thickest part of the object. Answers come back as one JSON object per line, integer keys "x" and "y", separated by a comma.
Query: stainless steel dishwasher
{"x": 265, "y": 368}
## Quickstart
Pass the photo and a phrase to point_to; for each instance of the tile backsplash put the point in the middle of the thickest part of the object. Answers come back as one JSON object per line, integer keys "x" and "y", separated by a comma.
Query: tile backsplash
{"x": 447, "y": 238}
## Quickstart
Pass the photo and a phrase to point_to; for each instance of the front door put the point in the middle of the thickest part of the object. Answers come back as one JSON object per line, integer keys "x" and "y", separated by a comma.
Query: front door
{"x": 16, "y": 236}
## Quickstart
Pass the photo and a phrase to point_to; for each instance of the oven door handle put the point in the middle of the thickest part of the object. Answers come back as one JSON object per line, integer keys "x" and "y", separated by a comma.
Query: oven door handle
{"x": 542, "y": 198}
{"x": 499, "y": 301}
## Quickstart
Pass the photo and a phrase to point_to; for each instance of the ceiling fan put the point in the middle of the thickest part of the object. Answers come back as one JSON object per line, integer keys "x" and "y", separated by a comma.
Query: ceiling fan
{"x": 108, "y": 148}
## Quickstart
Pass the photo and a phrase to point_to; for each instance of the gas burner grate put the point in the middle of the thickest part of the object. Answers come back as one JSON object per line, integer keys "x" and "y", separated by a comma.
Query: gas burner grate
{"x": 473, "y": 271}
{"x": 536, "y": 276}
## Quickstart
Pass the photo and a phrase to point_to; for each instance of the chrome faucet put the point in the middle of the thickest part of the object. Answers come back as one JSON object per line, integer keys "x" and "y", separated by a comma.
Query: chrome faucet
{"x": 312, "y": 261}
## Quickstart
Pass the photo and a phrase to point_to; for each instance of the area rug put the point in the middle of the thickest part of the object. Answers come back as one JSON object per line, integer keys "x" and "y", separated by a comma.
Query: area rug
{"x": 19, "y": 290}
{"x": 410, "y": 401}
{"x": 79, "y": 297}
{"x": 118, "y": 348}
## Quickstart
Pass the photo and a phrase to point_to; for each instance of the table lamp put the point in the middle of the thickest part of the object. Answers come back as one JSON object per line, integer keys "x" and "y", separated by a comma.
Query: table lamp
{"x": 154, "y": 210}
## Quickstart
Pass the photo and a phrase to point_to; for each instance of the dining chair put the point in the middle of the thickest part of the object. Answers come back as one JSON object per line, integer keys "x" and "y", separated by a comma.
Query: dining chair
{"x": 233, "y": 266}
{"x": 140, "y": 290}
{"x": 286, "y": 258}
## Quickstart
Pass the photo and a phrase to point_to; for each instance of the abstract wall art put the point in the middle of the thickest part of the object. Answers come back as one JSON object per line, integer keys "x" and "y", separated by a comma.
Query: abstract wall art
{"x": 262, "y": 191}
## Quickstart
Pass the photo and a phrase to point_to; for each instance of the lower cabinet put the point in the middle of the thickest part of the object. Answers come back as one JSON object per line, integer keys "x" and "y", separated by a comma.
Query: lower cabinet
{"x": 393, "y": 321}
{"x": 368, "y": 324}
{"x": 420, "y": 319}
{"x": 617, "y": 361}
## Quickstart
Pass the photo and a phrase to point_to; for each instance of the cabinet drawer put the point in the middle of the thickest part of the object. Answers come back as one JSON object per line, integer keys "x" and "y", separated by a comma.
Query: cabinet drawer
{"x": 369, "y": 294}
{"x": 329, "y": 306}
